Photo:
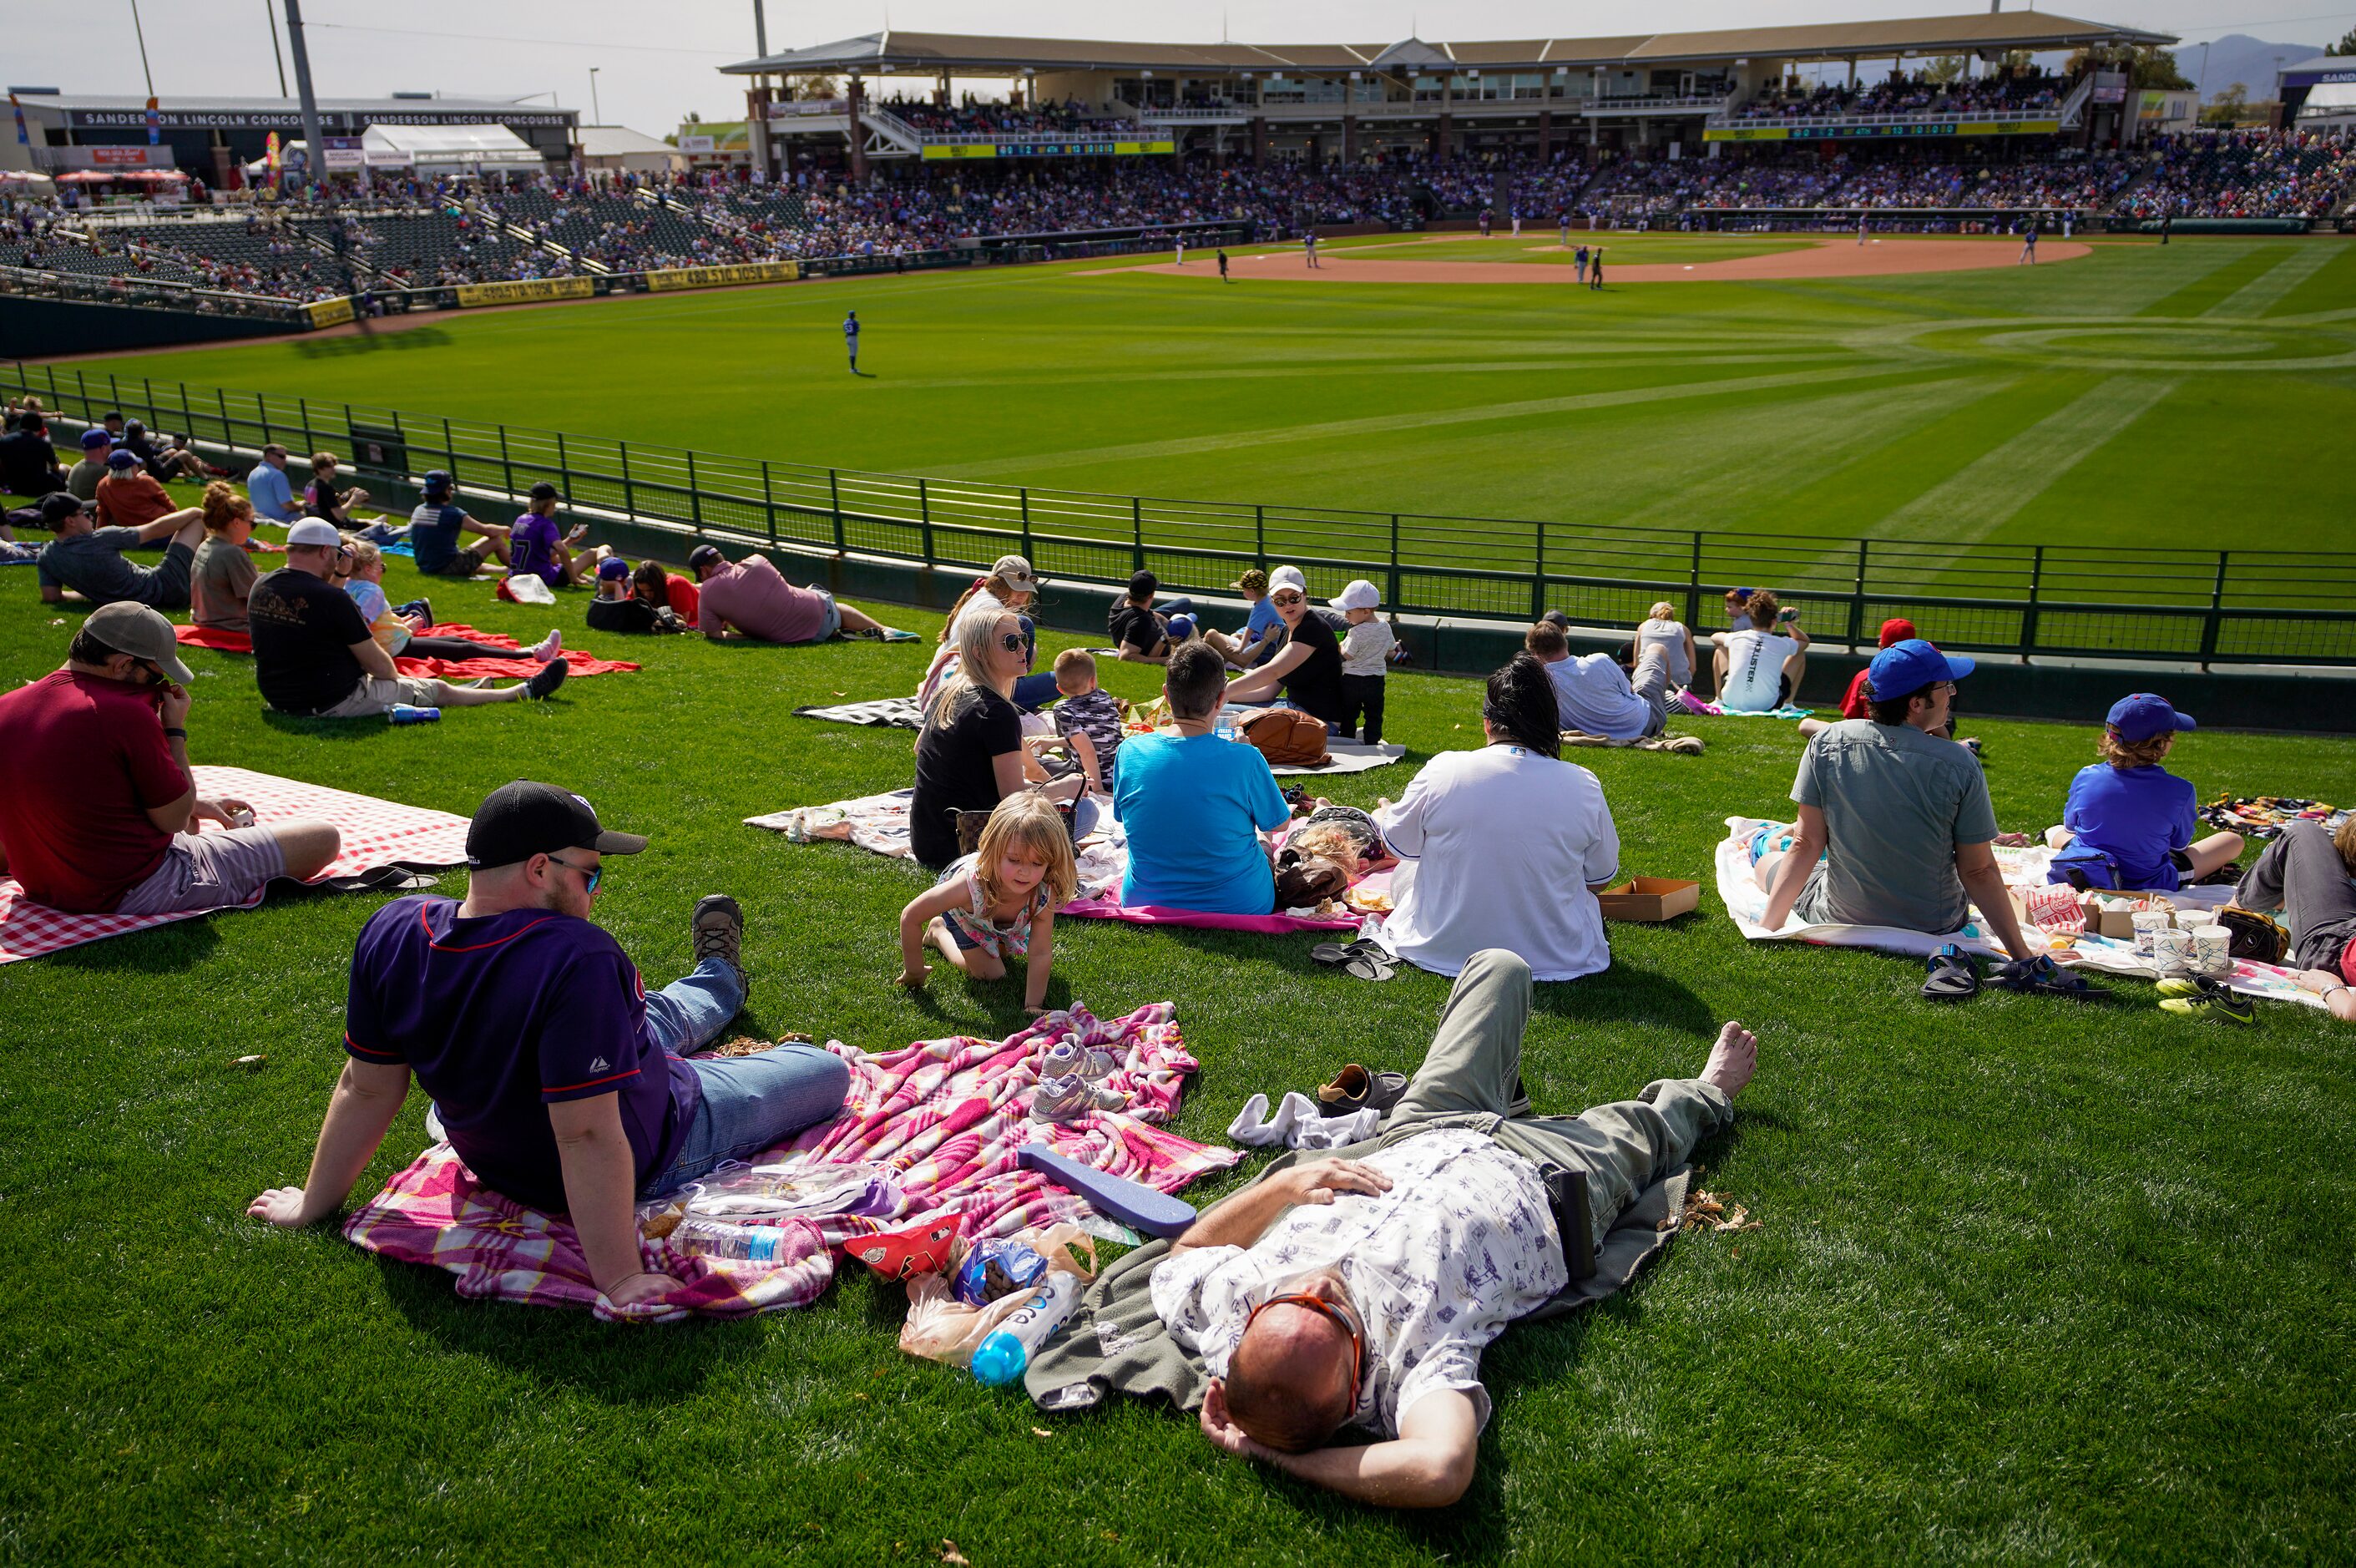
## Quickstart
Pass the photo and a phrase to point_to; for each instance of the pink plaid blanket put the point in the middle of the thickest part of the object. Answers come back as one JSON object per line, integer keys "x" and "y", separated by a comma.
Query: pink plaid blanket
{"x": 948, "y": 1117}
{"x": 376, "y": 833}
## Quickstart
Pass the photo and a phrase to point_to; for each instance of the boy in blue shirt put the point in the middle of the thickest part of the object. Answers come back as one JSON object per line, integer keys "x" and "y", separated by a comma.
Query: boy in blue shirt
{"x": 2129, "y": 822}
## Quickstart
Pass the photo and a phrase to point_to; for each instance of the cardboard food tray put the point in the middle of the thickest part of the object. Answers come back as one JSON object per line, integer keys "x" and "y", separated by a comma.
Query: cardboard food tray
{"x": 1650, "y": 898}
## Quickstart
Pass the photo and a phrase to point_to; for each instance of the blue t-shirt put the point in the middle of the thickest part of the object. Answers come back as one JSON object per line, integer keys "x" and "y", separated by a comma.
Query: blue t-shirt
{"x": 2135, "y": 815}
{"x": 433, "y": 535}
{"x": 1189, "y": 806}
{"x": 531, "y": 548}
{"x": 503, "y": 1015}
{"x": 272, "y": 495}
{"x": 1262, "y": 620}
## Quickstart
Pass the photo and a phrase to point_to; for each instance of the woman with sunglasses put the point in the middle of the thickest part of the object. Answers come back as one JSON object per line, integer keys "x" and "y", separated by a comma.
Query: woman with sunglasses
{"x": 970, "y": 753}
{"x": 1305, "y": 670}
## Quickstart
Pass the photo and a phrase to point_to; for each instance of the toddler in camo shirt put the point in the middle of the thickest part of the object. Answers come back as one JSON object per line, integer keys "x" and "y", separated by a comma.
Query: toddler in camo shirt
{"x": 1087, "y": 717}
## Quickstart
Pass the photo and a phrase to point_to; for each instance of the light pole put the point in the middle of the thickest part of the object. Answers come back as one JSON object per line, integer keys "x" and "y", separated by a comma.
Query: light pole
{"x": 596, "y": 115}
{"x": 141, "y": 34}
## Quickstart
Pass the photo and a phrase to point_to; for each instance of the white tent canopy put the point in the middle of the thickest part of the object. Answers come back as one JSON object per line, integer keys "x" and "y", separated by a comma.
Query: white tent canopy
{"x": 440, "y": 146}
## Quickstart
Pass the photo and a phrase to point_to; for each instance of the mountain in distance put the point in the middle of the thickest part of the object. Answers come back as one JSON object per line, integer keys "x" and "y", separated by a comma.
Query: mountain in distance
{"x": 2237, "y": 57}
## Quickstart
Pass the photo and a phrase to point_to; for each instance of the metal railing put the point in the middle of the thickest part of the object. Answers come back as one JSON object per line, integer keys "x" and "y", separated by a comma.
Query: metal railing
{"x": 2236, "y": 607}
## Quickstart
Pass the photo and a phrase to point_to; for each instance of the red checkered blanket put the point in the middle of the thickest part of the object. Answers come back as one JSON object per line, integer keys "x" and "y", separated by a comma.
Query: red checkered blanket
{"x": 580, "y": 663}
{"x": 376, "y": 833}
{"x": 948, "y": 1117}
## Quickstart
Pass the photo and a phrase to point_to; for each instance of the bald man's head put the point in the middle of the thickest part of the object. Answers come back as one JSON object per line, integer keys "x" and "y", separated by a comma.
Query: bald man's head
{"x": 1289, "y": 1382}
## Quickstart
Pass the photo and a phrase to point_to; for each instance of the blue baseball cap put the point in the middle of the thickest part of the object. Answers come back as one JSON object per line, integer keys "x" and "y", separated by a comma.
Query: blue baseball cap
{"x": 2142, "y": 715}
{"x": 611, "y": 567}
{"x": 1907, "y": 667}
{"x": 94, "y": 436}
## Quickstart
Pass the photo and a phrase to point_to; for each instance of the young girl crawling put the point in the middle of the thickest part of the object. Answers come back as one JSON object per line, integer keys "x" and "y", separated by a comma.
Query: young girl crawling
{"x": 999, "y": 901}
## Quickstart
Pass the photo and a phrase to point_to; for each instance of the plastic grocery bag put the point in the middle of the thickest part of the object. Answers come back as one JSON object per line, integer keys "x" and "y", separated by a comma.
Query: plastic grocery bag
{"x": 942, "y": 1328}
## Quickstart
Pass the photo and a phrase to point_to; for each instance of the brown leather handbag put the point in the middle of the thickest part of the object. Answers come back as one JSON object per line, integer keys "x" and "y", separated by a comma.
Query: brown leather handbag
{"x": 1289, "y": 737}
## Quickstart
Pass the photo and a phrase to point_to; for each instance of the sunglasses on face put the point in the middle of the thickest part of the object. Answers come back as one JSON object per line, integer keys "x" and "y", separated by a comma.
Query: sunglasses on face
{"x": 589, "y": 875}
{"x": 1012, "y": 642}
{"x": 1331, "y": 1312}
{"x": 1284, "y": 598}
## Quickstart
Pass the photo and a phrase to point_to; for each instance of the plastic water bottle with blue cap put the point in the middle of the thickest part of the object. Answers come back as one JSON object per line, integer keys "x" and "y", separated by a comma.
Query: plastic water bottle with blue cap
{"x": 719, "y": 1239}
{"x": 1002, "y": 1356}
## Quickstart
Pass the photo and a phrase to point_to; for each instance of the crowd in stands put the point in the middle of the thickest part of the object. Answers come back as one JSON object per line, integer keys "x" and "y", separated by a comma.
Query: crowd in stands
{"x": 2247, "y": 174}
{"x": 2014, "y": 92}
{"x": 975, "y": 118}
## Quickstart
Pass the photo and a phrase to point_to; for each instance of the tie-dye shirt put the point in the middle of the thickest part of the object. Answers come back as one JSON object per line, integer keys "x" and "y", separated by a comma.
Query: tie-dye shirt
{"x": 1463, "y": 1243}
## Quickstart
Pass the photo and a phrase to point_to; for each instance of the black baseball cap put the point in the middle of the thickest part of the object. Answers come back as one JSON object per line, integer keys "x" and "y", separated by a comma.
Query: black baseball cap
{"x": 706, "y": 555}
{"x": 1143, "y": 583}
{"x": 59, "y": 505}
{"x": 544, "y": 491}
{"x": 520, "y": 819}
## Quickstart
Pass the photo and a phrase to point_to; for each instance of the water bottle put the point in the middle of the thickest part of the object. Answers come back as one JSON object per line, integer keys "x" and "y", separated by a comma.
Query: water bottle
{"x": 1001, "y": 1358}
{"x": 403, "y": 713}
{"x": 717, "y": 1238}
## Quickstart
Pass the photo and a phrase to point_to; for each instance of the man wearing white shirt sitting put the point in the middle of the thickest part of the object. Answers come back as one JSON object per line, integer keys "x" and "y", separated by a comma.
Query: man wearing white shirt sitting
{"x": 1760, "y": 667}
{"x": 1362, "y": 1292}
{"x": 1593, "y": 695}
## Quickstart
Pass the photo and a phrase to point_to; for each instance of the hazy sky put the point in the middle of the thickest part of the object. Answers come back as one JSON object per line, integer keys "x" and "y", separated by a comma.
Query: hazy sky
{"x": 656, "y": 60}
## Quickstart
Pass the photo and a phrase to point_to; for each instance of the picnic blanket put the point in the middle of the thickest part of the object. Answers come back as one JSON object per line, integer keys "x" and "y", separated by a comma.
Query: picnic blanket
{"x": 1116, "y": 1343}
{"x": 1678, "y": 744}
{"x": 1746, "y": 902}
{"x": 377, "y": 834}
{"x": 947, "y": 1118}
{"x": 2264, "y": 816}
{"x": 1693, "y": 705}
{"x": 879, "y": 823}
{"x": 576, "y": 662}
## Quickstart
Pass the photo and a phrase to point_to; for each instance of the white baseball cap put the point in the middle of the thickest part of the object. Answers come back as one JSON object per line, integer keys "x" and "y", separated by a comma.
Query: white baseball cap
{"x": 315, "y": 530}
{"x": 1289, "y": 577}
{"x": 1358, "y": 595}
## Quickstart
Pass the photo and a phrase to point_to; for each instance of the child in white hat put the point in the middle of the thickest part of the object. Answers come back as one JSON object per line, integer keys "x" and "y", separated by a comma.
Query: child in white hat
{"x": 1366, "y": 655}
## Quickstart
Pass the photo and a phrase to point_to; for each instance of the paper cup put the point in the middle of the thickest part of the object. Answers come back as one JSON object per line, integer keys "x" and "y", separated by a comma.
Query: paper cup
{"x": 2172, "y": 950}
{"x": 2148, "y": 924}
{"x": 2213, "y": 950}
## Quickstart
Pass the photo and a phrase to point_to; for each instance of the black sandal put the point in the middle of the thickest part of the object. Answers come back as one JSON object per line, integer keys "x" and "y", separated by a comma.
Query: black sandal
{"x": 1954, "y": 975}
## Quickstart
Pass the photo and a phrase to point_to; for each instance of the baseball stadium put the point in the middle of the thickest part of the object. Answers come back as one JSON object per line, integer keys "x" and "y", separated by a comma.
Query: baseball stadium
{"x": 1450, "y": 800}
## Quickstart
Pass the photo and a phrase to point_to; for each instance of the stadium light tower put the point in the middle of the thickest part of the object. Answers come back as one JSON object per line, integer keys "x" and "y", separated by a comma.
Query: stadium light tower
{"x": 596, "y": 115}
{"x": 315, "y": 156}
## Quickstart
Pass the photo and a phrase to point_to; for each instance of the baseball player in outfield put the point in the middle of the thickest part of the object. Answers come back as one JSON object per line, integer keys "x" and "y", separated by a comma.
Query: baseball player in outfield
{"x": 850, "y": 338}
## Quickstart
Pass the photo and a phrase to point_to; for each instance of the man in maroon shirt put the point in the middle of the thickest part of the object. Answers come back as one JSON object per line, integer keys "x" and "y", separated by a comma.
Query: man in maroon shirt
{"x": 750, "y": 601}
{"x": 98, "y": 811}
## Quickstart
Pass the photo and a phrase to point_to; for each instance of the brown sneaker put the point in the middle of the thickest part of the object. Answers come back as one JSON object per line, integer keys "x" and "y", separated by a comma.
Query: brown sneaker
{"x": 719, "y": 931}
{"x": 1354, "y": 1088}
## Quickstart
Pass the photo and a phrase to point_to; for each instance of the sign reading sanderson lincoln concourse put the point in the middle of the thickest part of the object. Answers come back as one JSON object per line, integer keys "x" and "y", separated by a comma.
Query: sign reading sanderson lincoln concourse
{"x": 282, "y": 119}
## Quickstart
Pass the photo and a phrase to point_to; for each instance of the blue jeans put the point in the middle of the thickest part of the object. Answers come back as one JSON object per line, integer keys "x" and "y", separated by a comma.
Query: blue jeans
{"x": 747, "y": 1104}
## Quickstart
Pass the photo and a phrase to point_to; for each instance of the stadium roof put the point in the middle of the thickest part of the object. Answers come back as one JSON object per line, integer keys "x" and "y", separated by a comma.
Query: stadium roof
{"x": 893, "y": 51}
{"x": 179, "y": 103}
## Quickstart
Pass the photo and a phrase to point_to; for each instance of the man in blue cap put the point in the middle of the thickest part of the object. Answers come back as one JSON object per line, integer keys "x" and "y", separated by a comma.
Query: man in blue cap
{"x": 81, "y": 479}
{"x": 1902, "y": 816}
{"x": 2129, "y": 822}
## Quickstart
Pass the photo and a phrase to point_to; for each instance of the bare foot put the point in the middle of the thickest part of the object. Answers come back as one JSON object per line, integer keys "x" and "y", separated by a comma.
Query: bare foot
{"x": 1732, "y": 1059}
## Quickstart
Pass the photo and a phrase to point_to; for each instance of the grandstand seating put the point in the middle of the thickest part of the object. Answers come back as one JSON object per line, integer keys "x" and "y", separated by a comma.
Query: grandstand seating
{"x": 2247, "y": 174}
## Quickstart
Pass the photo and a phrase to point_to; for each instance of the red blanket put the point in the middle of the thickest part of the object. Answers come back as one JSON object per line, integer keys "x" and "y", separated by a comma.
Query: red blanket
{"x": 443, "y": 668}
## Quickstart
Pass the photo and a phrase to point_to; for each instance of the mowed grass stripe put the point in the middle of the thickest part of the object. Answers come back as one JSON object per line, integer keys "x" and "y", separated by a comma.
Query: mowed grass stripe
{"x": 2220, "y": 271}
{"x": 2326, "y": 292}
{"x": 1385, "y": 424}
{"x": 2269, "y": 288}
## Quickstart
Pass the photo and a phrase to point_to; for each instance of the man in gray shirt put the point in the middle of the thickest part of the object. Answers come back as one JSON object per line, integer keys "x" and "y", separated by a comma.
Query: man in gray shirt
{"x": 87, "y": 561}
{"x": 1904, "y": 815}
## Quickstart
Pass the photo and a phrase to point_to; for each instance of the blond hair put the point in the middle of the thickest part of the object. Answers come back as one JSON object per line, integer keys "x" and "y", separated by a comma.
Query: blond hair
{"x": 975, "y": 635}
{"x": 1075, "y": 664}
{"x": 999, "y": 590}
{"x": 2122, "y": 753}
{"x": 1662, "y": 611}
{"x": 1027, "y": 822}
{"x": 1329, "y": 841}
{"x": 364, "y": 551}
{"x": 223, "y": 506}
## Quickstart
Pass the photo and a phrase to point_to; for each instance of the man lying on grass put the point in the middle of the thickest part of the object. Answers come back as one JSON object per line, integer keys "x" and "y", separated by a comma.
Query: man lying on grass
{"x": 1361, "y": 1293}
{"x": 556, "y": 1078}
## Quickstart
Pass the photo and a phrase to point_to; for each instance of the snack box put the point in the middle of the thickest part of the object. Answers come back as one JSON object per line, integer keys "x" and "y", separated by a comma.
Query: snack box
{"x": 1649, "y": 898}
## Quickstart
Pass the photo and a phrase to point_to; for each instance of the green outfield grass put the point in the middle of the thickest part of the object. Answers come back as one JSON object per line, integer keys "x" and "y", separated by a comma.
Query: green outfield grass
{"x": 2035, "y": 1281}
{"x": 2144, "y": 396}
{"x": 1538, "y": 246}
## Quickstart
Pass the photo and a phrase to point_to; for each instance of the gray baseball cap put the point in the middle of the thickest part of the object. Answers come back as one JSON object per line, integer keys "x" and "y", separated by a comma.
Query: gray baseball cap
{"x": 142, "y": 633}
